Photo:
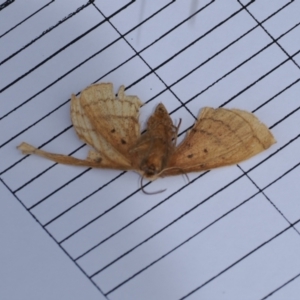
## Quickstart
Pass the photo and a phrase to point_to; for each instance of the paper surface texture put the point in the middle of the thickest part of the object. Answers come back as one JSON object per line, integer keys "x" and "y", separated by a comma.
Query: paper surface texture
{"x": 79, "y": 233}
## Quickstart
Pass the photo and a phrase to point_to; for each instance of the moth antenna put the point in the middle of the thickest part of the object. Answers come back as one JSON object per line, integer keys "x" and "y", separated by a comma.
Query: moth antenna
{"x": 183, "y": 173}
{"x": 149, "y": 193}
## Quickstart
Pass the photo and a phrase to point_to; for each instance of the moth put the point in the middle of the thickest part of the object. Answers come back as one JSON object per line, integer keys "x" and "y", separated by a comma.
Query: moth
{"x": 110, "y": 125}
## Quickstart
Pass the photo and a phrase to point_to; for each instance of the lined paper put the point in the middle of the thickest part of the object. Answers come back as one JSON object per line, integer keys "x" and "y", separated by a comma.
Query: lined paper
{"x": 230, "y": 233}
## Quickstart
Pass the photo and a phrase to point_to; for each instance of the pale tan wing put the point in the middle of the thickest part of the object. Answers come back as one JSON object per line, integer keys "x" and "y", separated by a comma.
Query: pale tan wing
{"x": 115, "y": 119}
{"x": 86, "y": 132}
{"x": 91, "y": 127}
{"x": 219, "y": 137}
{"x": 94, "y": 160}
{"x": 92, "y": 124}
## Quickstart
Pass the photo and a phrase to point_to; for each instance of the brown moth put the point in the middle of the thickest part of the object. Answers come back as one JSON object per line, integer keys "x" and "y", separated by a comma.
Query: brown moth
{"x": 219, "y": 137}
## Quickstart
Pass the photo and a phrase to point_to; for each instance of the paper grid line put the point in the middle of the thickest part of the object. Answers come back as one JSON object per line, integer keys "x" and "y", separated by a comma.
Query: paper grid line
{"x": 264, "y": 78}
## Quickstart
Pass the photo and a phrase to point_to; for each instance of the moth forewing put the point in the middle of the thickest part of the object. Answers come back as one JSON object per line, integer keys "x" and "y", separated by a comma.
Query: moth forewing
{"x": 220, "y": 137}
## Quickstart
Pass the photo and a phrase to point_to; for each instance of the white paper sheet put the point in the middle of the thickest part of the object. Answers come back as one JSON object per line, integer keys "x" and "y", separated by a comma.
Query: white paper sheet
{"x": 79, "y": 233}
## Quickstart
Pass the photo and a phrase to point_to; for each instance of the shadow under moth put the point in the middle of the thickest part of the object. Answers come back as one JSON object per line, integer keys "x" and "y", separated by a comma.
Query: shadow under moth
{"x": 110, "y": 125}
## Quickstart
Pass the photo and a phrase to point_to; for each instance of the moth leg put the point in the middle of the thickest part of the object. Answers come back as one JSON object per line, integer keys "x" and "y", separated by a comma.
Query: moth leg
{"x": 69, "y": 160}
{"x": 176, "y": 131}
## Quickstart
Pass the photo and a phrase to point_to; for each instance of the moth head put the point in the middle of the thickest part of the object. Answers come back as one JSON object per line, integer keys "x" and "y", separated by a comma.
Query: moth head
{"x": 151, "y": 170}
{"x": 151, "y": 167}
